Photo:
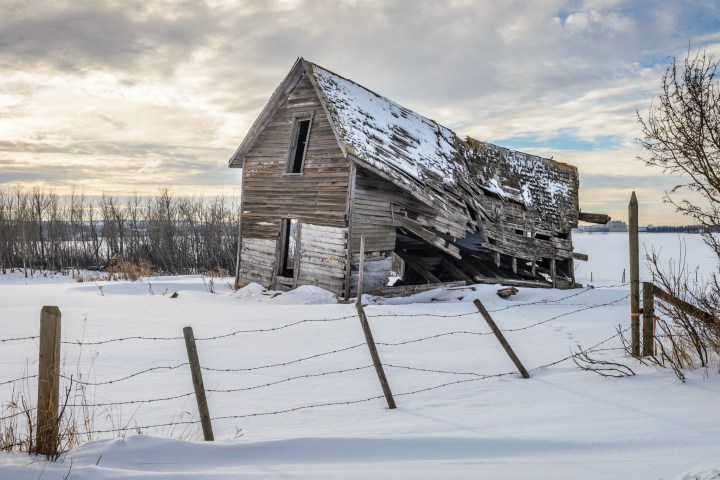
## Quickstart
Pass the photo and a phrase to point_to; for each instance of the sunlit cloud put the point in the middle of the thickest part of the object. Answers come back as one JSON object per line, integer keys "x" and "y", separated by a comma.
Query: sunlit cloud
{"x": 136, "y": 95}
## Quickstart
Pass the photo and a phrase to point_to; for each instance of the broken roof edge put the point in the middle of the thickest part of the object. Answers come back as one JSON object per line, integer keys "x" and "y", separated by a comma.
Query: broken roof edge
{"x": 261, "y": 122}
{"x": 415, "y": 152}
{"x": 324, "y": 100}
{"x": 310, "y": 69}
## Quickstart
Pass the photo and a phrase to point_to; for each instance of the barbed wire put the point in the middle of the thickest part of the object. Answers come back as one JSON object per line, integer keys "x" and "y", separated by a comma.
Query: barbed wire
{"x": 476, "y": 377}
{"x": 587, "y": 350}
{"x": 282, "y": 364}
{"x": 302, "y": 359}
{"x": 285, "y": 380}
{"x": 129, "y": 402}
{"x": 234, "y": 417}
{"x": 17, "y": 339}
{"x": 23, "y": 412}
{"x": 429, "y": 370}
{"x": 506, "y": 307}
{"x": 92, "y": 384}
{"x": 589, "y": 307}
{"x": 274, "y": 329}
{"x": 215, "y": 337}
{"x": 431, "y": 337}
{"x": 304, "y": 321}
{"x": 625, "y": 284}
{"x": 216, "y": 390}
{"x": 19, "y": 379}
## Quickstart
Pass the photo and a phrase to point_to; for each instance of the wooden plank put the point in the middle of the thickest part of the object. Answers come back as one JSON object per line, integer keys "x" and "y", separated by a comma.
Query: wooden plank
{"x": 413, "y": 262}
{"x": 278, "y": 97}
{"x": 634, "y": 276}
{"x": 413, "y": 289}
{"x": 430, "y": 237}
{"x": 648, "y": 320}
{"x": 449, "y": 266}
{"x": 580, "y": 256}
{"x": 48, "y": 392}
{"x": 501, "y": 338}
{"x": 593, "y": 217}
{"x": 374, "y": 354}
{"x": 686, "y": 307}
{"x": 198, "y": 384}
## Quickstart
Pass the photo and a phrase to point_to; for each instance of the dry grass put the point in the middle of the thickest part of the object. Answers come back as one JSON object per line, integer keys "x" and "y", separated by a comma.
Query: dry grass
{"x": 684, "y": 342}
{"x": 121, "y": 269}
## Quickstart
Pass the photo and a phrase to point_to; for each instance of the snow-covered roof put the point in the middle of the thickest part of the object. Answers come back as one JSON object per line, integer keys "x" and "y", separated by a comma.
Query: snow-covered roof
{"x": 430, "y": 159}
{"x": 423, "y": 157}
{"x": 385, "y": 134}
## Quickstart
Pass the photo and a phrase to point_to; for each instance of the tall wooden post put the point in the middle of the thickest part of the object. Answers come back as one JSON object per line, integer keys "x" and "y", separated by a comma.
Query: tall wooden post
{"x": 648, "y": 319}
{"x": 379, "y": 370}
{"x": 239, "y": 247}
{"x": 46, "y": 442}
{"x": 198, "y": 384}
{"x": 361, "y": 269}
{"x": 501, "y": 338}
{"x": 634, "y": 276}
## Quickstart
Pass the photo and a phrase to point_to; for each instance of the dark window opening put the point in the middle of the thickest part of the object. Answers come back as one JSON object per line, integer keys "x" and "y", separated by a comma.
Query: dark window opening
{"x": 299, "y": 145}
{"x": 289, "y": 248}
{"x": 540, "y": 236}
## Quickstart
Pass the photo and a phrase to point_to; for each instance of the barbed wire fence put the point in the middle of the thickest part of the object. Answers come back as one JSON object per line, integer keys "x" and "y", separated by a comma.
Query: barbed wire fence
{"x": 78, "y": 401}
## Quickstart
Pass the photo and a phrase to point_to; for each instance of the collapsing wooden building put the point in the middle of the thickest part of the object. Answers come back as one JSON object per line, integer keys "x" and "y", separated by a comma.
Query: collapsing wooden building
{"x": 329, "y": 162}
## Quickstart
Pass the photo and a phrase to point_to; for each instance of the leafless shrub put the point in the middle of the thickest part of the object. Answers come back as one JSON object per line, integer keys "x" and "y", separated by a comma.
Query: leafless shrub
{"x": 680, "y": 137}
{"x": 605, "y": 368}
{"x": 41, "y": 230}
{"x": 683, "y": 340}
{"x": 121, "y": 269}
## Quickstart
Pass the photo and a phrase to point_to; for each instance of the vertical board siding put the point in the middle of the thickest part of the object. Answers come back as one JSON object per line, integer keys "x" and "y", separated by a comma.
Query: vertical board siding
{"x": 373, "y": 219}
{"x": 317, "y": 197}
{"x": 257, "y": 260}
{"x": 322, "y": 257}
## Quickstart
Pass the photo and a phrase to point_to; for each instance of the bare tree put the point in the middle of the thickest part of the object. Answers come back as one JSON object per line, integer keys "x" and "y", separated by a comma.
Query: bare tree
{"x": 681, "y": 135}
{"x": 164, "y": 233}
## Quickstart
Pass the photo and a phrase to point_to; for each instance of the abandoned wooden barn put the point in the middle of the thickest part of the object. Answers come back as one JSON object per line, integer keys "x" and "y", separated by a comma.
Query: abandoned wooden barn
{"x": 328, "y": 162}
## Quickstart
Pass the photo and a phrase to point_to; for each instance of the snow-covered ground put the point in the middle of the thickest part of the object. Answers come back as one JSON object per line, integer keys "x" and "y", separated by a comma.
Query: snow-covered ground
{"x": 293, "y": 394}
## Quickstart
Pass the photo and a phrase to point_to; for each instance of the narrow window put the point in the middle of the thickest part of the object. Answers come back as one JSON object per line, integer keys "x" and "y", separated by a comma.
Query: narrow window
{"x": 301, "y": 131}
{"x": 289, "y": 248}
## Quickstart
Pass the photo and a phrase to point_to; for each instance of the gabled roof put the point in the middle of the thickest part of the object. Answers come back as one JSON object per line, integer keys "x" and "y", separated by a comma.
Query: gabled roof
{"x": 420, "y": 155}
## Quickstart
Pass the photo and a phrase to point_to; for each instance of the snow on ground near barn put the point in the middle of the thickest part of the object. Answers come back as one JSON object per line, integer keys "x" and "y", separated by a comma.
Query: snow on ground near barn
{"x": 306, "y": 401}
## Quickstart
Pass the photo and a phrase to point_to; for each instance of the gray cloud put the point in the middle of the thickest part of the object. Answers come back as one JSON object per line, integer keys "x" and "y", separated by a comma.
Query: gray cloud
{"x": 82, "y": 35}
{"x": 162, "y": 92}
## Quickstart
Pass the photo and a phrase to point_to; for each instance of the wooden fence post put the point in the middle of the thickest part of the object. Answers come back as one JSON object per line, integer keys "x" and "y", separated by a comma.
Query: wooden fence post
{"x": 634, "y": 276}
{"x": 46, "y": 438}
{"x": 501, "y": 338}
{"x": 648, "y": 319}
{"x": 361, "y": 269}
{"x": 368, "y": 333}
{"x": 239, "y": 252}
{"x": 198, "y": 384}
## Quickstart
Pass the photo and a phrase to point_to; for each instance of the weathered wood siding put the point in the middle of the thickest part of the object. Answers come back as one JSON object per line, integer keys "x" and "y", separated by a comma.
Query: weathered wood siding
{"x": 372, "y": 218}
{"x": 322, "y": 257}
{"x": 316, "y": 197}
{"x": 257, "y": 260}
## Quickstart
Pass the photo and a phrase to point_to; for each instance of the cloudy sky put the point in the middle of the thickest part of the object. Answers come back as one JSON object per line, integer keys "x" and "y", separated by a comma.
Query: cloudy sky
{"x": 131, "y": 96}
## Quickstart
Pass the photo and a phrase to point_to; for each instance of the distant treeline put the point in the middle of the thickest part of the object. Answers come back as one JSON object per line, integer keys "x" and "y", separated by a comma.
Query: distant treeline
{"x": 681, "y": 229}
{"x": 171, "y": 234}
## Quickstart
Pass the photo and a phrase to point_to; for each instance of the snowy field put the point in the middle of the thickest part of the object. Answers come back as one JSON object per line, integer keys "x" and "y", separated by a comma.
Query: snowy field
{"x": 293, "y": 394}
